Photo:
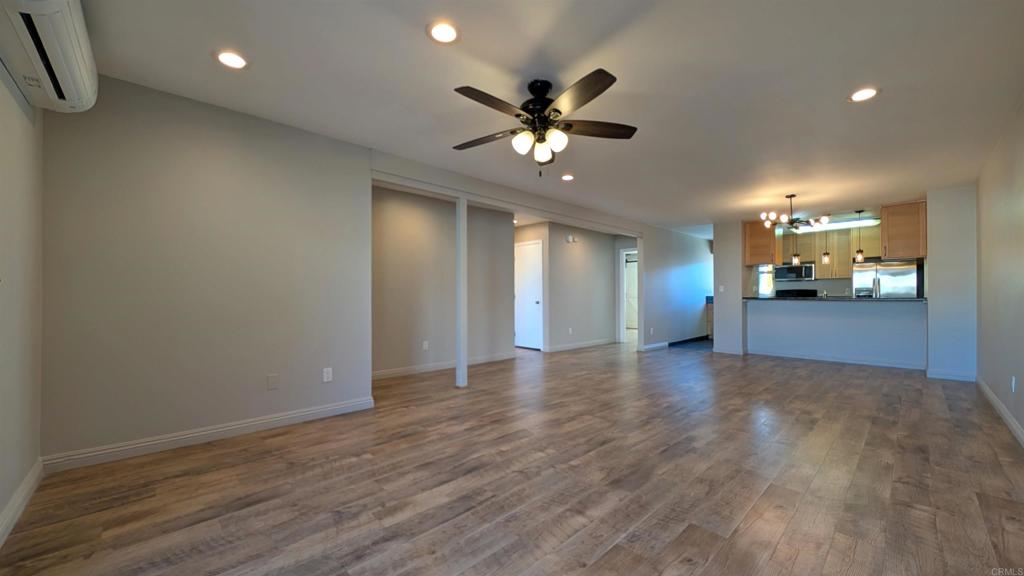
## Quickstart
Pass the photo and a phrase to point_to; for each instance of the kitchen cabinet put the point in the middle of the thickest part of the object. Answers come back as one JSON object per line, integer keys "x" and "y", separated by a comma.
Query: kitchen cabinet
{"x": 904, "y": 230}
{"x": 789, "y": 243}
{"x": 806, "y": 246}
{"x": 842, "y": 254}
{"x": 758, "y": 244}
{"x": 869, "y": 239}
{"x": 841, "y": 257}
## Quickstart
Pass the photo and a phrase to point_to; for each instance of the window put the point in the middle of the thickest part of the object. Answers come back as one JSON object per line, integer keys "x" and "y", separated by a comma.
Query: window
{"x": 765, "y": 280}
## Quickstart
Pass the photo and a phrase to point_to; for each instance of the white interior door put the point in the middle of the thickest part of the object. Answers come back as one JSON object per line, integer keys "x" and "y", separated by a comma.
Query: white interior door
{"x": 529, "y": 292}
{"x": 632, "y": 295}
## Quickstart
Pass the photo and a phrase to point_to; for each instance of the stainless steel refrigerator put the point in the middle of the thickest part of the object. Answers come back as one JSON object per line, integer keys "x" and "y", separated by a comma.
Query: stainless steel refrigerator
{"x": 875, "y": 278}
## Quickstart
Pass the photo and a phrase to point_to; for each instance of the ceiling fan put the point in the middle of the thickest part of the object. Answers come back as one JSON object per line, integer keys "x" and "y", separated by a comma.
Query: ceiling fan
{"x": 545, "y": 127}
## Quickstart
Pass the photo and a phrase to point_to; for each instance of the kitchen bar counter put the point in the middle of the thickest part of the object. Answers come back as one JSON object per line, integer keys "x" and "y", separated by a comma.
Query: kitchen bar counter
{"x": 834, "y": 299}
{"x": 894, "y": 333}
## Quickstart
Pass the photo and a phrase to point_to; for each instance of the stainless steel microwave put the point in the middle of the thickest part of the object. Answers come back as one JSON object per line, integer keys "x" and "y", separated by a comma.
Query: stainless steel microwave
{"x": 794, "y": 273}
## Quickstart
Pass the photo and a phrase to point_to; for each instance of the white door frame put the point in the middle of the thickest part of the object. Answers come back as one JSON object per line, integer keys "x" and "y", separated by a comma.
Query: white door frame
{"x": 620, "y": 293}
{"x": 543, "y": 291}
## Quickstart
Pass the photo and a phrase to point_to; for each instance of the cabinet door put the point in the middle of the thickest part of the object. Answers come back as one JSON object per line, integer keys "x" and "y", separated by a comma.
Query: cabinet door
{"x": 905, "y": 230}
{"x": 869, "y": 239}
{"x": 758, "y": 244}
{"x": 842, "y": 254}
{"x": 806, "y": 247}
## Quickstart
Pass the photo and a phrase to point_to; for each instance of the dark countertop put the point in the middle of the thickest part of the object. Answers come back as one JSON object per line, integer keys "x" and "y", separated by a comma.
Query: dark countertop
{"x": 835, "y": 299}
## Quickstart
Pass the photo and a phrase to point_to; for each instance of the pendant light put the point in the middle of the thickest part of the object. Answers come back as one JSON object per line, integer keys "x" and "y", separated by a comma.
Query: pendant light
{"x": 860, "y": 252}
{"x": 826, "y": 258}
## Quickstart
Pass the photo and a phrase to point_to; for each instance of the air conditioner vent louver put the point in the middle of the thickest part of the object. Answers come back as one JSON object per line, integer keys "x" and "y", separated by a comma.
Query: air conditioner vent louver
{"x": 30, "y": 25}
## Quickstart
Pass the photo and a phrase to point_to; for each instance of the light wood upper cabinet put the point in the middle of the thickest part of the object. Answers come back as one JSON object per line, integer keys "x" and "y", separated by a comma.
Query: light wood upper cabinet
{"x": 806, "y": 248}
{"x": 842, "y": 254}
{"x": 758, "y": 244}
{"x": 905, "y": 230}
{"x": 868, "y": 239}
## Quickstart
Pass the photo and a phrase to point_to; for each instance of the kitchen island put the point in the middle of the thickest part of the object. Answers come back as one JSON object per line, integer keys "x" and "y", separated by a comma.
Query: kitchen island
{"x": 877, "y": 331}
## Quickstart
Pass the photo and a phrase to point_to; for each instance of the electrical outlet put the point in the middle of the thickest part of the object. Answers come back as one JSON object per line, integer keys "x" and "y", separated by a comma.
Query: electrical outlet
{"x": 721, "y": 288}
{"x": 328, "y": 374}
{"x": 426, "y": 345}
{"x": 273, "y": 381}
{"x": 570, "y": 331}
{"x": 652, "y": 332}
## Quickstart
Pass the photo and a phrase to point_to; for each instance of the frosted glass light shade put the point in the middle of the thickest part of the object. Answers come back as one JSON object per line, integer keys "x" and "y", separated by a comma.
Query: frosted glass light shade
{"x": 522, "y": 142}
{"x": 557, "y": 139}
{"x": 542, "y": 152}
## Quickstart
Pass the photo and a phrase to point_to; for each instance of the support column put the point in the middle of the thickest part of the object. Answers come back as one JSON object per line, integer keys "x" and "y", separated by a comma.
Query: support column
{"x": 461, "y": 293}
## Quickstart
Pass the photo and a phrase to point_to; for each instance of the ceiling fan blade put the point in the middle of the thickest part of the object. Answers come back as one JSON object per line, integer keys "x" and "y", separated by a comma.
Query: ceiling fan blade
{"x": 488, "y": 138}
{"x": 597, "y": 129}
{"x": 491, "y": 101}
{"x": 584, "y": 90}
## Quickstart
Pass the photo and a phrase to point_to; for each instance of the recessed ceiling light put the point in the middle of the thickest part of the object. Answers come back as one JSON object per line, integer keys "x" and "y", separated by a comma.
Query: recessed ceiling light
{"x": 863, "y": 95}
{"x": 232, "y": 59}
{"x": 568, "y": 177}
{"x": 443, "y": 32}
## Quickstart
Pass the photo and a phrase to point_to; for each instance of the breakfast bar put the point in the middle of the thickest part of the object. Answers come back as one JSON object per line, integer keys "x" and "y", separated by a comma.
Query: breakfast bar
{"x": 880, "y": 332}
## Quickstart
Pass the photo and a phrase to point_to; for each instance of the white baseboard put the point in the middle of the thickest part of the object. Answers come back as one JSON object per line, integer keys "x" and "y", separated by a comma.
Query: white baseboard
{"x": 947, "y": 375}
{"x": 16, "y": 505}
{"x": 435, "y": 366}
{"x": 1004, "y": 412}
{"x": 89, "y": 456}
{"x": 727, "y": 350}
{"x": 654, "y": 346}
{"x": 577, "y": 345}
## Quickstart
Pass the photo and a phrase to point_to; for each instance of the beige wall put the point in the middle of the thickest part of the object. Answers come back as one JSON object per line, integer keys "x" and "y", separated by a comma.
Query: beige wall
{"x": 1000, "y": 275}
{"x": 190, "y": 251}
{"x": 414, "y": 283}
{"x": 20, "y": 298}
{"x": 728, "y": 286}
{"x": 579, "y": 285}
{"x": 677, "y": 272}
{"x": 673, "y": 259}
{"x": 952, "y": 281}
{"x": 581, "y": 289}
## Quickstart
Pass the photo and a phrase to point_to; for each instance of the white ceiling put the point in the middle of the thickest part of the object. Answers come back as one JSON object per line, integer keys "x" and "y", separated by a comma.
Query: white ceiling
{"x": 738, "y": 102}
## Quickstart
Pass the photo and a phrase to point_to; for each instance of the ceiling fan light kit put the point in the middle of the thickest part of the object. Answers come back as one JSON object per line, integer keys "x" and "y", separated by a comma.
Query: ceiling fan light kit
{"x": 545, "y": 128}
{"x": 789, "y": 219}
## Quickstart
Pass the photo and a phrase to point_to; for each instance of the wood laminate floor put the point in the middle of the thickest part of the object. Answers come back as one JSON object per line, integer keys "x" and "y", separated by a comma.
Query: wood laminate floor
{"x": 599, "y": 461}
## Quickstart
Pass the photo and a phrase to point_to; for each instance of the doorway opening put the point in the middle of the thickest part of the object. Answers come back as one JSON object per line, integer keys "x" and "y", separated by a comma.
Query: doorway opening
{"x": 629, "y": 296}
{"x": 529, "y": 294}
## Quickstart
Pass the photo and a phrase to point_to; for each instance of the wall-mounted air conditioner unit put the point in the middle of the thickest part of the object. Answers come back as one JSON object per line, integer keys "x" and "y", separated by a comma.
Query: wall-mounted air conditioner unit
{"x": 45, "y": 47}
